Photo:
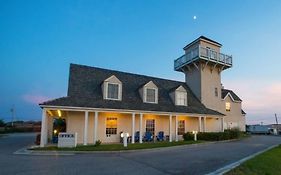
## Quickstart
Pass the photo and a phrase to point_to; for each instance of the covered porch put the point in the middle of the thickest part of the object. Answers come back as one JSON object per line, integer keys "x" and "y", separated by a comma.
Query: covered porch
{"x": 106, "y": 125}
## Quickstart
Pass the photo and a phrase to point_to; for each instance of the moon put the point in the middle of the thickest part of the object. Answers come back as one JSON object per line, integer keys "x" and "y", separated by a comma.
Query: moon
{"x": 194, "y": 17}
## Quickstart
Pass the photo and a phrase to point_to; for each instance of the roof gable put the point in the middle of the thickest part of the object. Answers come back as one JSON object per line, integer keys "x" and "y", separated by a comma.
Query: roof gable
{"x": 231, "y": 94}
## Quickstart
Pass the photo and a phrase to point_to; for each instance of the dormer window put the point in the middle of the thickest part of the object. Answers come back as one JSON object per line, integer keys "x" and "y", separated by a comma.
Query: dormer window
{"x": 112, "y": 91}
{"x": 112, "y": 88}
{"x": 149, "y": 93}
{"x": 181, "y": 98}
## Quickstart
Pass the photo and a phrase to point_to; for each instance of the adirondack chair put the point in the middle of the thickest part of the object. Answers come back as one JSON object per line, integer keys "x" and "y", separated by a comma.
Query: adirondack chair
{"x": 148, "y": 137}
{"x": 160, "y": 136}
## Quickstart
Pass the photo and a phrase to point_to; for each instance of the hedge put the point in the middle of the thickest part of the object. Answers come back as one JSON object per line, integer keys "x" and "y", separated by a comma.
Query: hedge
{"x": 214, "y": 136}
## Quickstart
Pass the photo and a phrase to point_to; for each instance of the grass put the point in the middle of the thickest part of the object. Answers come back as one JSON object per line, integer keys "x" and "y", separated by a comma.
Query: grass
{"x": 267, "y": 163}
{"x": 118, "y": 147}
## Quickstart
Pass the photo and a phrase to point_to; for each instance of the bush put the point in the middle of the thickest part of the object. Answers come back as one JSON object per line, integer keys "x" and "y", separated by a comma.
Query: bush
{"x": 98, "y": 143}
{"x": 188, "y": 136}
{"x": 214, "y": 136}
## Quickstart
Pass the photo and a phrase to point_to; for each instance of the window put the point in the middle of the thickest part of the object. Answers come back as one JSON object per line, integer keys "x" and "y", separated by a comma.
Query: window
{"x": 181, "y": 98}
{"x": 150, "y": 95}
{"x": 113, "y": 91}
{"x": 150, "y": 126}
{"x": 181, "y": 127}
{"x": 111, "y": 126}
{"x": 227, "y": 106}
{"x": 216, "y": 92}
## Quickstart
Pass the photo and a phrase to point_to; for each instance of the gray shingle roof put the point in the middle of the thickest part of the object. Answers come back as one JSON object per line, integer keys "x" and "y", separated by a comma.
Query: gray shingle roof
{"x": 84, "y": 90}
{"x": 224, "y": 92}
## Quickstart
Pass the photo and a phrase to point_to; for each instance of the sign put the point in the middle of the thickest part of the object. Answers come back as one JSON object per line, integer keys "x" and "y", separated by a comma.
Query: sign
{"x": 67, "y": 140}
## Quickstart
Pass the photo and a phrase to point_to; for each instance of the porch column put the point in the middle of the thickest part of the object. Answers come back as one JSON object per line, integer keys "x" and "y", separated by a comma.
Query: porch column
{"x": 133, "y": 127}
{"x": 86, "y": 128}
{"x": 44, "y": 129}
{"x": 222, "y": 124}
{"x": 96, "y": 126}
{"x": 141, "y": 115}
{"x": 177, "y": 139}
{"x": 200, "y": 124}
{"x": 170, "y": 128}
{"x": 204, "y": 129}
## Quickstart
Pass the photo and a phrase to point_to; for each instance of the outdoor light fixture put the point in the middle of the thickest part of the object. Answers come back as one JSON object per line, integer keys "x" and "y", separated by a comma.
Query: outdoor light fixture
{"x": 59, "y": 113}
{"x": 125, "y": 136}
{"x": 55, "y": 131}
{"x": 195, "y": 135}
{"x": 50, "y": 113}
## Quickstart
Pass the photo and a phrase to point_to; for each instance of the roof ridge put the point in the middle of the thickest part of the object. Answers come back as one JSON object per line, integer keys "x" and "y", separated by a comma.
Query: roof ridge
{"x": 130, "y": 73}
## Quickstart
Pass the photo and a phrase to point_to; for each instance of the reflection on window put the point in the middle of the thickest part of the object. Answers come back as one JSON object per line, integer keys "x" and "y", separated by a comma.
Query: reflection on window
{"x": 111, "y": 125}
{"x": 181, "y": 127}
{"x": 227, "y": 106}
{"x": 150, "y": 126}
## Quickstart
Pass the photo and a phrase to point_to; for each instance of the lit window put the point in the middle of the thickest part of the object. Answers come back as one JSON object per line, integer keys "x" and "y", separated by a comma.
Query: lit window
{"x": 113, "y": 91}
{"x": 111, "y": 126}
{"x": 227, "y": 106}
{"x": 150, "y": 126}
{"x": 216, "y": 92}
{"x": 181, "y": 98}
{"x": 181, "y": 127}
{"x": 150, "y": 95}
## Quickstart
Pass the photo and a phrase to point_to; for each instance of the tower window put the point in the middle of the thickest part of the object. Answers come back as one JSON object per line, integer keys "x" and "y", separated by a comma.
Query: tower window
{"x": 227, "y": 106}
{"x": 216, "y": 92}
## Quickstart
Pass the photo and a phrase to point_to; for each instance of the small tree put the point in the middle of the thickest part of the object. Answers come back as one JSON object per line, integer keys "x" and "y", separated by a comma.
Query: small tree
{"x": 2, "y": 123}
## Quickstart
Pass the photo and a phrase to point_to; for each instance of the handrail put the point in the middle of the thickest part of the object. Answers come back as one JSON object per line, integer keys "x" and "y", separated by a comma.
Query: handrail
{"x": 202, "y": 52}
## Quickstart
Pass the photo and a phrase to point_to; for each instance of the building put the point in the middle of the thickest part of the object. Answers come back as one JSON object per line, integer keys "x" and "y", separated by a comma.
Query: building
{"x": 101, "y": 103}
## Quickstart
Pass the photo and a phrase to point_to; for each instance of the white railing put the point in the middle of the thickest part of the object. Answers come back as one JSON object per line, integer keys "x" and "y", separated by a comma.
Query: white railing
{"x": 204, "y": 53}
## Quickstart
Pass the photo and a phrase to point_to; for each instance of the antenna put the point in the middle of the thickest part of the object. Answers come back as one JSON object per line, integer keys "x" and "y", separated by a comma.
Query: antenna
{"x": 276, "y": 119}
{"x": 13, "y": 114}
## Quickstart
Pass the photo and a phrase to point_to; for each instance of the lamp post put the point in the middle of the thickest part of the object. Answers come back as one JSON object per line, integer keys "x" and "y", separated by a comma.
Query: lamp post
{"x": 125, "y": 135}
{"x": 195, "y": 135}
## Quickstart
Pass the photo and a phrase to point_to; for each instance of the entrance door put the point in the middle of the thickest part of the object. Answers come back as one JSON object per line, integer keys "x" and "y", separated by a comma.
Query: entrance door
{"x": 111, "y": 130}
{"x": 150, "y": 126}
{"x": 59, "y": 125}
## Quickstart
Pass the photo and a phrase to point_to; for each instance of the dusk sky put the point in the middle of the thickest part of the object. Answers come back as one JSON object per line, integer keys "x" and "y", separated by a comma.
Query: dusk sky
{"x": 39, "y": 39}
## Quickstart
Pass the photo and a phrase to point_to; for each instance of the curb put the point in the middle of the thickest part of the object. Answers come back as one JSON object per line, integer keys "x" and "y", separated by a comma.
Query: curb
{"x": 27, "y": 151}
{"x": 231, "y": 166}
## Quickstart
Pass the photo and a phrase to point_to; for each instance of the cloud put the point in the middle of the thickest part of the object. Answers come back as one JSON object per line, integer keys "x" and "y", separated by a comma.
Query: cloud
{"x": 35, "y": 99}
{"x": 261, "y": 99}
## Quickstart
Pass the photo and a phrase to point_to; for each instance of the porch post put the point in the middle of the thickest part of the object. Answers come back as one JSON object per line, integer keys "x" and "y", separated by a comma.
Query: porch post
{"x": 96, "y": 126}
{"x": 86, "y": 128}
{"x": 200, "y": 124}
{"x": 170, "y": 128}
{"x": 44, "y": 129}
{"x": 177, "y": 139}
{"x": 141, "y": 115}
{"x": 204, "y": 129}
{"x": 133, "y": 127}
{"x": 222, "y": 124}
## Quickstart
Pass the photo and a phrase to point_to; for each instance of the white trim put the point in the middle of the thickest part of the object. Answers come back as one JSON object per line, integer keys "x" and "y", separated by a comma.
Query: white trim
{"x": 44, "y": 129}
{"x": 82, "y": 109}
{"x": 145, "y": 95}
{"x": 170, "y": 127}
{"x": 133, "y": 127}
{"x": 176, "y": 127}
{"x": 229, "y": 94}
{"x": 96, "y": 126}
{"x": 119, "y": 91}
{"x": 85, "y": 137}
{"x": 141, "y": 117}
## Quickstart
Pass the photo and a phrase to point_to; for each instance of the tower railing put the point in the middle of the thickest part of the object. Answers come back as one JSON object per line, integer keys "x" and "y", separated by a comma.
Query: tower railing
{"x": 203, "y": 53}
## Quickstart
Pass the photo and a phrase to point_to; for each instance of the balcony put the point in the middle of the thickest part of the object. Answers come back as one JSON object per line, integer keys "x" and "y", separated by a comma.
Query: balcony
{"x": 203, "y": 54}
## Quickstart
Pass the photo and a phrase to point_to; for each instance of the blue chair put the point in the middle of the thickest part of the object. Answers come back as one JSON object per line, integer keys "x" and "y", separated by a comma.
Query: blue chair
{"x": 137, "y": 136}
{"x": 148, "y": 137}
{"x": 160, "y": 136}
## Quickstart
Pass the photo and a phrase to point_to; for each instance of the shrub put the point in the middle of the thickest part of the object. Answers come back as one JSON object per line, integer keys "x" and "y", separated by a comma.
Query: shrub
{"x": 188, "y": 136}
{"x": 98, "y": 143}
{"x": 214, "y": 136}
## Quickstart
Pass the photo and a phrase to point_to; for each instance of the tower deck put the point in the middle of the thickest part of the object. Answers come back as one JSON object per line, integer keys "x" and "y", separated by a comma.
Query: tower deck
{"x": 205, "y": 54}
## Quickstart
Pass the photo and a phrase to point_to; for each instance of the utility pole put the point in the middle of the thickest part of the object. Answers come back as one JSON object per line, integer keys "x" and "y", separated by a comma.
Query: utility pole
{"x": 13, "y": 114}
{"x": 277, "y": 127}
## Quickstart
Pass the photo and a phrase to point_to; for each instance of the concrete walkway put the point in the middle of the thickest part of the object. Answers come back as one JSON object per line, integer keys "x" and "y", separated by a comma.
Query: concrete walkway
{"x": 199, "y": 159}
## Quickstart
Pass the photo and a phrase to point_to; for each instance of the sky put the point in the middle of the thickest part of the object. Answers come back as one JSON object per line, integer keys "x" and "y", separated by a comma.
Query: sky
{"x": 39, "y": 39}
